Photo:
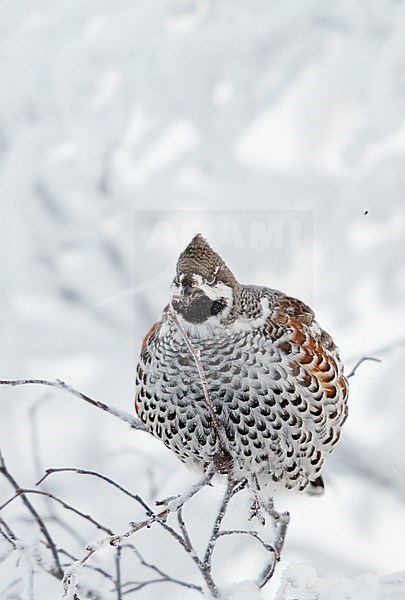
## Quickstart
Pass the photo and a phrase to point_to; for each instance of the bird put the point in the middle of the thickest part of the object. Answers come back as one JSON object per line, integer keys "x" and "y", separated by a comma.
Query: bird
{"x": 241, "y": 378}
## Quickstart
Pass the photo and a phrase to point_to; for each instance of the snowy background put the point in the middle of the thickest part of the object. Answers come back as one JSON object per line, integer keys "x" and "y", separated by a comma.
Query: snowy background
{"x": 112, "y": 116}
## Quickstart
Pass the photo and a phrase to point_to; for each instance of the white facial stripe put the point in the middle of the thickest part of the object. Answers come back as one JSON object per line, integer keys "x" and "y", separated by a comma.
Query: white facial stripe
{"x": 197, "y": 280}
{"x": 209, "y": 327}
{"x": 219, "y": 290}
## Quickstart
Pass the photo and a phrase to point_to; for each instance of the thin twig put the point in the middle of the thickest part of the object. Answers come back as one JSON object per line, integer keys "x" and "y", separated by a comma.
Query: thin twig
{"x": 90, "y": 567}
{"x": 134, "y": 422}
{"x": 23, "y": 492}
{"x": 254, "y": 534}
{"x": 184, "y": 530}
{"x": 4, "y": 591}
{"x": 179, "y": 539}
{"x": 8, "y": 534}
{"x": 179, "y": 501}
{"x": 172, "y": 505}
{"x": 70, "y": 575}
{"x": 57, "y": 570}
{"x": 39, "y": 468}
{"x": 76, "y": 535}
{"x": 360, "y": 362}
{"x": 239, "y": 486}
{"x": 280, "y": 520}
{"x": 163, "y": 576}
{"x": 139, "y": 585}
{"x": 269, "y": 570}
{"x": 218, "y": 522}
{"x": 7, "y": 538}
{"x": 35, "y": 438}
{"x": 118, "y": 585}
{"x": 100, "y": 476}
{"x": 383, "y": 349}
{"x": 117, "y": 540}
{"x": 219, "y": 428}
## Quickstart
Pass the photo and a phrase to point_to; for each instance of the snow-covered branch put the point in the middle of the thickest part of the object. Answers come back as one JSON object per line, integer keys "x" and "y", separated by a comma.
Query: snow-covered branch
{"x": 134, "y": 422}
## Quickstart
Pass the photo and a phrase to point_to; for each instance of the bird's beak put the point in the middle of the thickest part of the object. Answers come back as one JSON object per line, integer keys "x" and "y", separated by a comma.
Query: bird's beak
{"x": 186, "y": 290}
{"x": 187, "y": 293}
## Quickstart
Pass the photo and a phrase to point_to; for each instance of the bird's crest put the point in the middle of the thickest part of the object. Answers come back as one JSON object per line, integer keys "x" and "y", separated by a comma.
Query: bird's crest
{"x": 200, "y": 258}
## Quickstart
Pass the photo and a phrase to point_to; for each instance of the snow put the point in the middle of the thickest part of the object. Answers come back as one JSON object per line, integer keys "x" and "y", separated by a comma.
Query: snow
{"x": 28, "y": 563}
{"x": 300, "y": 582}
{"x": 126, "y": 127}
{"x": 70, "y": 581}
{"x": 241, "y": 591}
{"x": 6, "y": 549}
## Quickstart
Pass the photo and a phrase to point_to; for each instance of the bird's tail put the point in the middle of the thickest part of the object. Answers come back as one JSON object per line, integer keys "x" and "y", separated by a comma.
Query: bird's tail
{"x": 316, "y": 488}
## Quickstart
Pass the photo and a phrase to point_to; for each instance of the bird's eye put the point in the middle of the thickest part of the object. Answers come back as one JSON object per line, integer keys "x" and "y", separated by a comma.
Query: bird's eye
{"x": 210, "y": 279}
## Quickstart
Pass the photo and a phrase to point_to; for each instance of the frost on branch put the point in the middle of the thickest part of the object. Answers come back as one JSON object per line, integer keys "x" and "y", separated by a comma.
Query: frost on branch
{"x": 300, "y": 581}
{"x": 63, "y": 565}
{"x": 74, "y": 569}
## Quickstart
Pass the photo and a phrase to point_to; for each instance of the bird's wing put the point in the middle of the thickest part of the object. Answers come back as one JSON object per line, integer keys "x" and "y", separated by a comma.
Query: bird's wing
{"x": 313, "y": 365}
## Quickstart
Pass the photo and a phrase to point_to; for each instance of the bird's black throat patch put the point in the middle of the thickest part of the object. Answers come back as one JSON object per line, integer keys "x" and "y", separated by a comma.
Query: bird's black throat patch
{"x": 199, "y": 309}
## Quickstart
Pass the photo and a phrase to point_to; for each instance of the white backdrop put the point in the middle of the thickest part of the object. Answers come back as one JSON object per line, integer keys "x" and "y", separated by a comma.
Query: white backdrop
{"x": 108, "y": 110}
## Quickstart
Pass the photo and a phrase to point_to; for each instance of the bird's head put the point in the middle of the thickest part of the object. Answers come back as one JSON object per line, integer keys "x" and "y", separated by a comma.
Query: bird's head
{"x": 204, "y": 288}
